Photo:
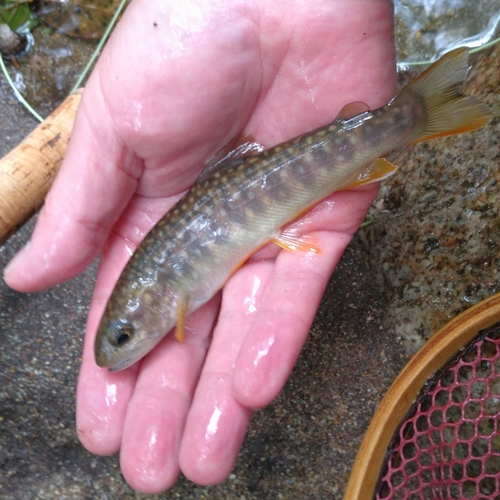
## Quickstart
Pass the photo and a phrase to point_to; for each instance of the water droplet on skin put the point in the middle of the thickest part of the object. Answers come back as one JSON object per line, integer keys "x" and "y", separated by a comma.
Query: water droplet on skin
{"x": 263, "y": 350}
{"x": 213, "y": 424}
{"x": 249, "y": 303}
{"x": 152, "y": 440}
{"x": 136, "y": 115}
{"x": 111, "y": 391}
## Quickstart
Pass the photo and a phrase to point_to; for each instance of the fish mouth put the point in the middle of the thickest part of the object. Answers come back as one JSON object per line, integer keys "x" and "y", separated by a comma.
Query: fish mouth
{"x": 121, "y": 365}
{"x": 114, "y": 361}
{"x": 109, "y": 360}
{"x": 108, "y": 355}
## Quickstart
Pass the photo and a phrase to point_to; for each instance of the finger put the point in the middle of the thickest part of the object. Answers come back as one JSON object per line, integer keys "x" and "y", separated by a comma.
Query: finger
{"x": 102, "y": 397}
{"x": 158, "y": 408}
{"x": 291, "y": 299}
{"x": 197, "y": 102}
{"x": 86, "y": 199}
{"x": 217, "y": 422}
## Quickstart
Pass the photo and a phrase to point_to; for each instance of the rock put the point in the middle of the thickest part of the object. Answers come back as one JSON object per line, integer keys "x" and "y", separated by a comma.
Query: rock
{"x": 11, "y": 42}
{"x": 436, "y": 238}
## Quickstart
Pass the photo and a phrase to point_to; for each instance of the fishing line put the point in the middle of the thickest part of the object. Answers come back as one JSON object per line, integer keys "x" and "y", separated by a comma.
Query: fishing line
{"x": 100, "y": 45}
{"x": 406, "y": 65}
{"x": 18, "y": 94}
{"x": 83, "y": 74}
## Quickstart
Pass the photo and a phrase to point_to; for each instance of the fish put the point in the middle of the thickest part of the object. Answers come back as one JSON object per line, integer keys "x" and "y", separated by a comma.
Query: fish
{"x": 247, "y": 195}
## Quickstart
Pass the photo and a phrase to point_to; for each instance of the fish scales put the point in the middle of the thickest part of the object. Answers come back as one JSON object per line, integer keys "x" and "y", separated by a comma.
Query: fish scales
{"x": 188, "y": 256}
{"x": 244, "y": 194}
{"x": 199, "y": 229}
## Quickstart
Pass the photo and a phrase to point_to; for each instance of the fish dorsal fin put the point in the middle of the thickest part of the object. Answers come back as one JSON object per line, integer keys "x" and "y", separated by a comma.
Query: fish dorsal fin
{"x": 233, "y": 153}
{"x": 353, "y": 109}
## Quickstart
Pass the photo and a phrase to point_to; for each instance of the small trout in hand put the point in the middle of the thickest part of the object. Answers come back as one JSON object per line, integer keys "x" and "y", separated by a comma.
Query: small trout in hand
{"x": 243, "y": 201}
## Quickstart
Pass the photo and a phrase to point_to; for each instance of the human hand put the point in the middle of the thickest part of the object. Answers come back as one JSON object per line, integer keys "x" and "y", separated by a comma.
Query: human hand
{"x": 175, "y": 83}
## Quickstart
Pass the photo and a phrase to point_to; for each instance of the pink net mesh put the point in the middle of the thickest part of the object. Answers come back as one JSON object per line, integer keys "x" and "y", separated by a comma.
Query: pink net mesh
{"x": 449, "y": 445}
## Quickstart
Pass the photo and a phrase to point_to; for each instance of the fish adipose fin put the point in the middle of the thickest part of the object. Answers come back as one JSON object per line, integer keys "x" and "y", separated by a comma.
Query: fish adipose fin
{"x": 376, "y": 172}
{"x": 293, "y": 242}
{"x": 353, "y": 109}
{"x": 447, "y": 110}
{"x": 182, "y": 308}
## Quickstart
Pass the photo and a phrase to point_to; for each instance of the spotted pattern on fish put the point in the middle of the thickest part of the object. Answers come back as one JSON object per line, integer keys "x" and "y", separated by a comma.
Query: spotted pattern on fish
{"x": 240, "y": 204}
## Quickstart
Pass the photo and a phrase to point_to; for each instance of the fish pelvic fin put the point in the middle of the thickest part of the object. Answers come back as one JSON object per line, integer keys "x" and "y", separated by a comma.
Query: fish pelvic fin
{"x": 182, "y": 309}
{"x": 447, "y": 110}
{"x": 291, "y": 241}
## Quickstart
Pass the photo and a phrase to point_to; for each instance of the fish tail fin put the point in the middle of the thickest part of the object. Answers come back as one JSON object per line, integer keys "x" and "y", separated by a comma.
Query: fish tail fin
{"x": 447, "y": 110}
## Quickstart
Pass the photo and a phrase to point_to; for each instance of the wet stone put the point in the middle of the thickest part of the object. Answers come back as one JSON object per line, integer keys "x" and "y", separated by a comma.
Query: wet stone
{"x": 304, "y": 444}
{"x": 436, "y": 234}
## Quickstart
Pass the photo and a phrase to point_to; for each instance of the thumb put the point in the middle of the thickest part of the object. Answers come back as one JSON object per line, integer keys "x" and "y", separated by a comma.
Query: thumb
{"x": 91, "y": 190}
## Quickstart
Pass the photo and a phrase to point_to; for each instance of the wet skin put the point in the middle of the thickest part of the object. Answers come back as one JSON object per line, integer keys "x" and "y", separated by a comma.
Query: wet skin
{"x": 173, "y": 85}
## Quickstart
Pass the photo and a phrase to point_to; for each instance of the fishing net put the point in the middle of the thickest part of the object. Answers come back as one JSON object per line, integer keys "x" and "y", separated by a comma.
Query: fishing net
{"x": 448, "y": 446}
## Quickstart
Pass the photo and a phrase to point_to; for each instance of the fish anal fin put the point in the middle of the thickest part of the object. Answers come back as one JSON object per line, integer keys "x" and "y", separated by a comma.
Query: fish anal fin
{"x": 293, "y": 242}
{"x": 376, "y": 172}
{"x": 182, "y": 309}
{"x": 353, "y": 109}
{"x": 233, "y": 153}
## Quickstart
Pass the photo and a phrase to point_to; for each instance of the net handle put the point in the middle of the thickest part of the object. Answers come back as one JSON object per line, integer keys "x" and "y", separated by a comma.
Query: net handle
{"x": 396, "y": 403}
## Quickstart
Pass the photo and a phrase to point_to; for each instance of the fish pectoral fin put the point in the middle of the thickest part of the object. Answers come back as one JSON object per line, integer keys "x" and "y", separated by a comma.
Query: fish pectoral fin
{"x": 233, "y": 153}
{"x": 182, "y": 308}
{"x": 376, "y": 172}
{"x": 353, "y": 109}
{"x": 293, "y": 242}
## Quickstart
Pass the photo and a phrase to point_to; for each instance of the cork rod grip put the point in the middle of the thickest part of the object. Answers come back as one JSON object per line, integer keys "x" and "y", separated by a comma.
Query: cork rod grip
{"x": 27, "y": 172}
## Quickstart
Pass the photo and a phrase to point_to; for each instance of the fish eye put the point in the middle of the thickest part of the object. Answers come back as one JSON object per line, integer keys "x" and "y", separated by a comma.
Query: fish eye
{"x": 121, "y": 332}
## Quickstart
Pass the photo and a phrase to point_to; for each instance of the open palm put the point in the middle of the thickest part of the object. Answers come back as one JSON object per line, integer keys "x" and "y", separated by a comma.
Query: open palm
{"x": 176, "y": 82}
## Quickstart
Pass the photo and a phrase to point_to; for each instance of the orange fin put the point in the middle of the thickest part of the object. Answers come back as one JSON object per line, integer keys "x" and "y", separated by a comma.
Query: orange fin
{"x": 182, "y": 308}
{"x": 233, "y": 153}
{"x": 447, "y": 110}
{"x": 353, "y": 109}
{"x": 293, "y": 242}
{"x": 377, "y": 171}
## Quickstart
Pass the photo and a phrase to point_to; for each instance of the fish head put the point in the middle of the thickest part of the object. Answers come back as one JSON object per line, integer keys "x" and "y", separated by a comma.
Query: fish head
{"x": 123, "y": 339}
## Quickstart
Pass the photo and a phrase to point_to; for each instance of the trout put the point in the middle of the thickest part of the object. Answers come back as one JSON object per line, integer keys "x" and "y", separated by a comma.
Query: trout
{"x": 243, "y": 200}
